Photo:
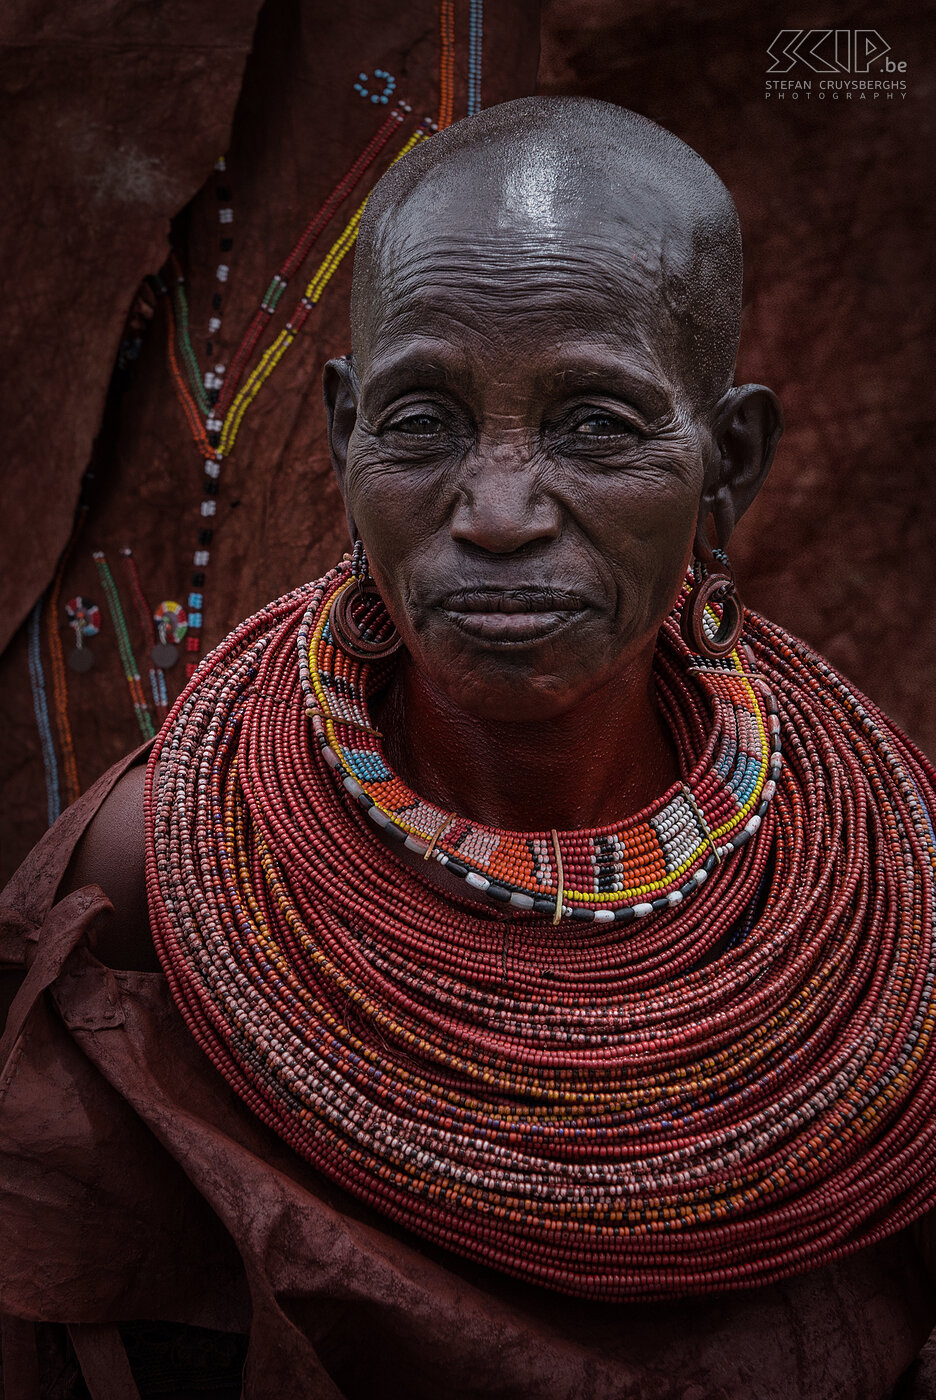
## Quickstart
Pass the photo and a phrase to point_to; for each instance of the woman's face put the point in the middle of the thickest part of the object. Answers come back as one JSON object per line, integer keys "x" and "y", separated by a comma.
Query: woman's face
{"x": 523, "y": 462}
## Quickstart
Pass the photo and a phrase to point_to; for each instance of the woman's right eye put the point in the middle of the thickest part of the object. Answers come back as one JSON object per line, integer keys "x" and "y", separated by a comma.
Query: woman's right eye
{"x": 416, "y": 424}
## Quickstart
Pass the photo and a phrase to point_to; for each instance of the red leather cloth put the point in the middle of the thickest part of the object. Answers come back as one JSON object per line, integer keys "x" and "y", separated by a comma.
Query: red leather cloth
{"x": 135, "y": 1185}
{"x": 120, "y": 111}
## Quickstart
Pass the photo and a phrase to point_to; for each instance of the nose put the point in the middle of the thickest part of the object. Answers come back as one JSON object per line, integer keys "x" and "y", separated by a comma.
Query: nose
{"x": 502, "y": 505}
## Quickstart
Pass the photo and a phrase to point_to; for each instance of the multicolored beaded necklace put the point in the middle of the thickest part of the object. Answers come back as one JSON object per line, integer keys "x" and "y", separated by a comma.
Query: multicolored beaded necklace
{"x": 614, "y": 874}
{"x": 124, "y": 645}
{"x": 39, "y": 690}
{"x": 215, "y": 404}
{"x": 717, "y": 1091}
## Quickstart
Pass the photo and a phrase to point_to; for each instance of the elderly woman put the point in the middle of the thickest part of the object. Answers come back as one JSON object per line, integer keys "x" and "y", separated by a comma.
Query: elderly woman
{"x": 542, "y": 997}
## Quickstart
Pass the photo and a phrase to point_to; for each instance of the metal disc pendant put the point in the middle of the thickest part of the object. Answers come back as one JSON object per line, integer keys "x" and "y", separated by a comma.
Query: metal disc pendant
{"x": 164, "y": 655}
{"x": 81, "y": 659}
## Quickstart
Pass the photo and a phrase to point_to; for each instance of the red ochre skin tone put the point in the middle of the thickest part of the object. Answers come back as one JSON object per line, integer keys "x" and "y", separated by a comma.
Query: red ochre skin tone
{"x": 525, "y": 447}
{"x": 526, "y": 460}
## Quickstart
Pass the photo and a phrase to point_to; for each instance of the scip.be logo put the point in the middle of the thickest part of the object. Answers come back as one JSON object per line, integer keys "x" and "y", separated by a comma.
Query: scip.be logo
{"x": 831, "y": 51}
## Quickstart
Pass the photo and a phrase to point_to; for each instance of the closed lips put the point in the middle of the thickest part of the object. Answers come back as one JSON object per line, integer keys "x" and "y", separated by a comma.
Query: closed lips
{"x": 512, "y": 615}
{"x": 512, "y": 600}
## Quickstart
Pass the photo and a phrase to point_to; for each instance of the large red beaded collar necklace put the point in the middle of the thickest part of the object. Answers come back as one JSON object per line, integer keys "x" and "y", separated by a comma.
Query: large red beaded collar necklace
{"x": 719, "y": 1091}
{"x": 619, "y": 873}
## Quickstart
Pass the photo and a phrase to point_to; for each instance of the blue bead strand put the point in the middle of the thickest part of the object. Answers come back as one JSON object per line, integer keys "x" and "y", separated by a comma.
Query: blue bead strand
{"x": 475, "y": 39}
{"x": 41, "y": 708}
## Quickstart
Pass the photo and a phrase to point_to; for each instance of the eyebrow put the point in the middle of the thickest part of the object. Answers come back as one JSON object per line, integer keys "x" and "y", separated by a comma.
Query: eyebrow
{"x": 431, "y": 363}
{"x": 618, "y": 376}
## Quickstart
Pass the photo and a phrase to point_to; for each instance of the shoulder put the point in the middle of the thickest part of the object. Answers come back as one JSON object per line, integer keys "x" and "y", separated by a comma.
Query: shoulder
{"x": 112, "y": 854}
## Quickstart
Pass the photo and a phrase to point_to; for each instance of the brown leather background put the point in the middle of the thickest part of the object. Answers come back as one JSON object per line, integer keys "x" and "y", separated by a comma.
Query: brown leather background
{"x": 837, "y": 208}
{"x": 117, "y": 113}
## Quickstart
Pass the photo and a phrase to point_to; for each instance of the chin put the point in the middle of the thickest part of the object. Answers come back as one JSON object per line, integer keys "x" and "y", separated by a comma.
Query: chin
{"x": 489, "y": 688}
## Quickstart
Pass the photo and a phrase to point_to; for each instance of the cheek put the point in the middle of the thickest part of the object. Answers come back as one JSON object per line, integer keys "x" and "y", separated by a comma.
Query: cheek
{"x": 627, "y": 543}
{"x": 398, "y": 513}
{"x": 646, "y": 521}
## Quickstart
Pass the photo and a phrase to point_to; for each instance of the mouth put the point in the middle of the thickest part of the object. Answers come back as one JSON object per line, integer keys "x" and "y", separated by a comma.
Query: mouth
{"x": 512, "y": 616}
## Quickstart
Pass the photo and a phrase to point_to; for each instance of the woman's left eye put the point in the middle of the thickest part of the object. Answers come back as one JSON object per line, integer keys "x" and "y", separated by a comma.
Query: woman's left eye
{"x": 602, "y": 425}
{"x": 417, "y": 425}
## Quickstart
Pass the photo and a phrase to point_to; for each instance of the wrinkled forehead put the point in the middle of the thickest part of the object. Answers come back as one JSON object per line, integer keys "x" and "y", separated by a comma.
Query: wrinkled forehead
{"x": 497, "y": 241}
{"x": 481, "y": 291}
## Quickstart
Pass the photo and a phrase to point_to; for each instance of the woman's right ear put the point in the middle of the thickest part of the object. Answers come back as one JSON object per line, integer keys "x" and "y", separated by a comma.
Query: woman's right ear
{"x": 339, "y": 383}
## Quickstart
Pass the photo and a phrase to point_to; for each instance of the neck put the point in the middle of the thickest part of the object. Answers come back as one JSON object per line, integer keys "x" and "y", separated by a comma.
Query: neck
{"x": 605, "y": 759}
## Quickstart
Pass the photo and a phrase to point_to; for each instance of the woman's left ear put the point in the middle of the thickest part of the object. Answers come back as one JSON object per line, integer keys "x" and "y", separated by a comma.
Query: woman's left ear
{"x": 746, "y": 428}
{"x": 339, "y": 385}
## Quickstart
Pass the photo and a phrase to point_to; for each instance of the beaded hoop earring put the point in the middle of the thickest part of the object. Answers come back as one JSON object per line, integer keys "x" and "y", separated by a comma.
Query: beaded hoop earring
{"x": 712, "y": 583}
{"x": 359, "y": 620}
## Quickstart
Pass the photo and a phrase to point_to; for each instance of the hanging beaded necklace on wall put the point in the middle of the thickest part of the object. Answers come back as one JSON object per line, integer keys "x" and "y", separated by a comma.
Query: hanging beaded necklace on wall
{"x": 214, "y": 411}
{"x": 623, "y": 1103}
{"x": 147, "y": 620}
{"x": 125, "y": 646}
{"x": 49, "y": 604}
{"x": 216, "y": 402}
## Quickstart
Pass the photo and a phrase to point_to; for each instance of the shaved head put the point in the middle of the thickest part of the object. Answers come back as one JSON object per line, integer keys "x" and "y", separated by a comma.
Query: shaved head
{"x": 627, "y": 202}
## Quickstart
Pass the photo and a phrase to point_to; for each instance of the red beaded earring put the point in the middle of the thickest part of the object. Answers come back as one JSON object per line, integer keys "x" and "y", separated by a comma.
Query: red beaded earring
{"x": 713, "y": 582}
{"x": 361, "y": 625}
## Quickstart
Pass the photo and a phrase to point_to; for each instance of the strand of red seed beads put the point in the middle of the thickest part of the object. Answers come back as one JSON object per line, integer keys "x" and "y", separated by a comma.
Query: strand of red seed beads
{"x": 722, "y": 1092}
